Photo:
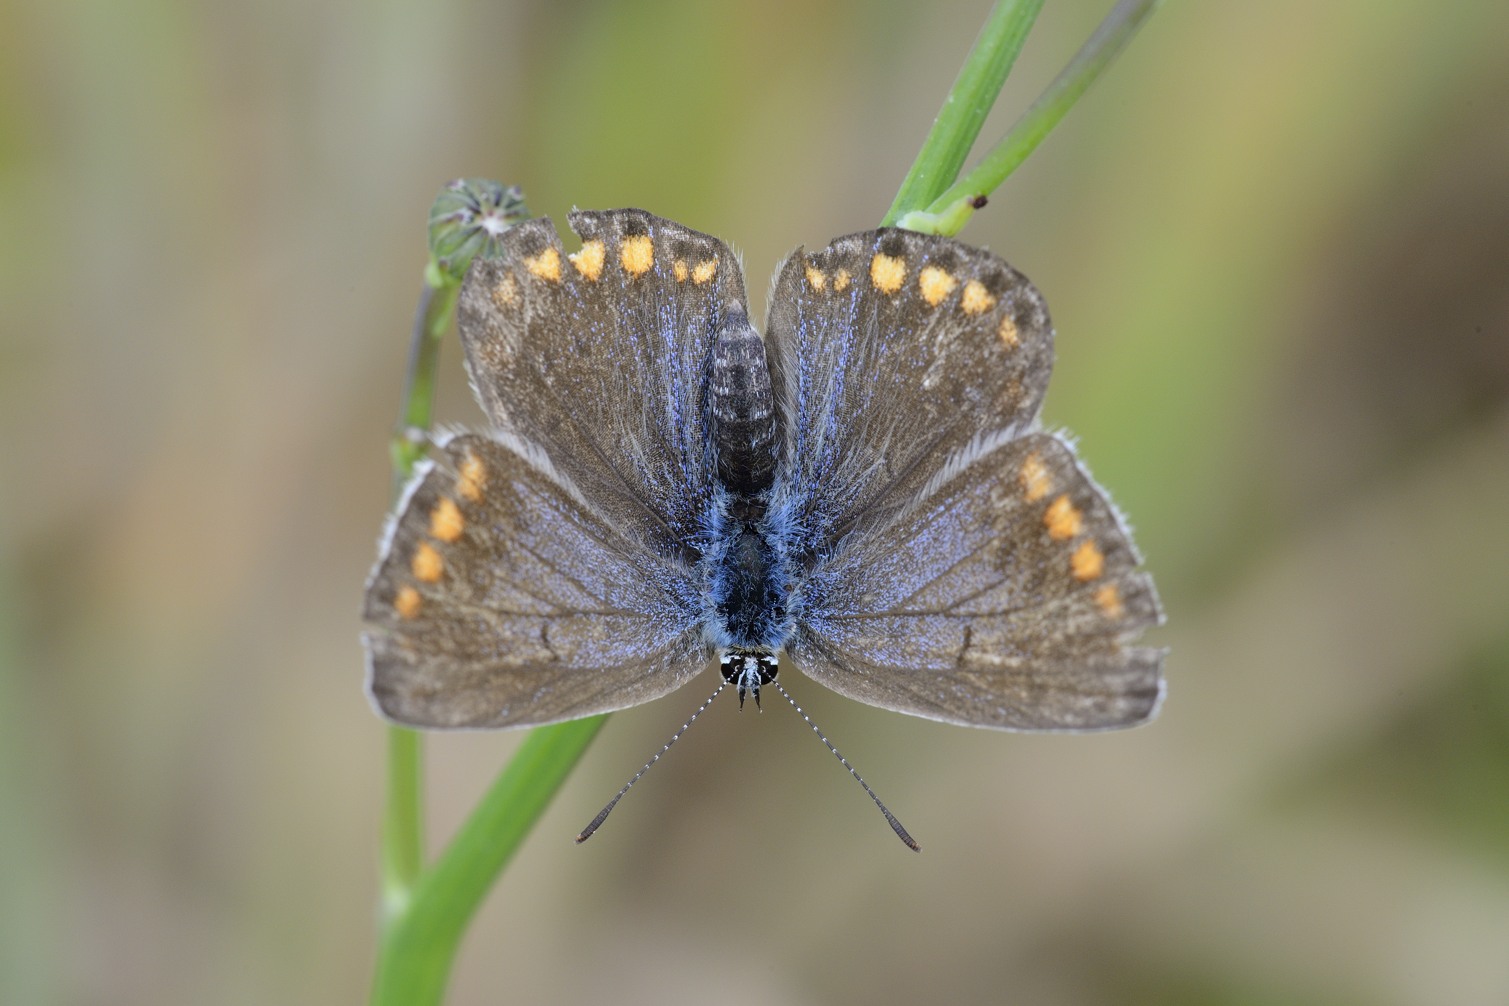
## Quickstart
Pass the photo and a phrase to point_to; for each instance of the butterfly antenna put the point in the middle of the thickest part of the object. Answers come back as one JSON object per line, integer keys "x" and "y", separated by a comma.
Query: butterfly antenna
{"x": 602, "y": 815}
{"x": 901, "y": 832}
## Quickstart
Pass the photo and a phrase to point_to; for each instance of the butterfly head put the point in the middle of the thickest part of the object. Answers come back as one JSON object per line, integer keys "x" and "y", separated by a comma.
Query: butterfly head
{"x": 747, "y": 670}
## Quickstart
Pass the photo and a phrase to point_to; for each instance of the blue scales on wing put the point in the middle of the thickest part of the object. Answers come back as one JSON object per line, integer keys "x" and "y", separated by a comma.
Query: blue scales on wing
{"x": 959, "y": 564}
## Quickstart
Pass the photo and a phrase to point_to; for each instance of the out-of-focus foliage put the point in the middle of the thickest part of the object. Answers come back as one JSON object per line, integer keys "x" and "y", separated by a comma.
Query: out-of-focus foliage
{"x": 1275, "y": 239}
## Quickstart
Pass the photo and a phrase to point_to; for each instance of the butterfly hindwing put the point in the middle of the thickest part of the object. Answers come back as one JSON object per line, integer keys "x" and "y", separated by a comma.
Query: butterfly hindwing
{"x": 1005, "y": 594}
{"x": 502, "y": 598}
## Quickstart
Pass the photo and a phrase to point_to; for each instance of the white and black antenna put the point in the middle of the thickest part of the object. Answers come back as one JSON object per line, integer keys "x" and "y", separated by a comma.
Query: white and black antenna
{"x": 602, "y": 815}
{"x": 747, "y": 670}
{"x": 896, "y": 826}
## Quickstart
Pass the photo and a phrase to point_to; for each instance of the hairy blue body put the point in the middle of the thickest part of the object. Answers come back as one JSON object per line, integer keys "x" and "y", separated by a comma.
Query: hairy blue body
{"x": 749, "y": 573}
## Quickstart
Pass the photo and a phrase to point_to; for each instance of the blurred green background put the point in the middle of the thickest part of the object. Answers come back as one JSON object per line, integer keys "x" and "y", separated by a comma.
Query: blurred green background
{"x": 1275, "y": 238}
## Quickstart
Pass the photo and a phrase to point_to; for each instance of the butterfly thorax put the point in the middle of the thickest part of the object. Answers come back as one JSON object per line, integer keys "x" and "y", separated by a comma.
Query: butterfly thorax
{"x": 748, "y": 579}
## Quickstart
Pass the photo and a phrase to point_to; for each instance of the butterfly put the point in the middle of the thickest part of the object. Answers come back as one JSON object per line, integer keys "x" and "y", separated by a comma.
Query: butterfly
{"x": 864, "y": 493}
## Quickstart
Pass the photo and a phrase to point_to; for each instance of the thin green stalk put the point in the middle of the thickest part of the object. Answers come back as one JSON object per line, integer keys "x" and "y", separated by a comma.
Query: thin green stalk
{"x": 437, "y": 306}
{"x": 420, "y": 944}
{"x": 964, "y": 110}
{"x": 465, "y": 221}
{"x": 403, "y": 821}
{"x": 1087, "y": 65}
{"x": 403, "y": 817}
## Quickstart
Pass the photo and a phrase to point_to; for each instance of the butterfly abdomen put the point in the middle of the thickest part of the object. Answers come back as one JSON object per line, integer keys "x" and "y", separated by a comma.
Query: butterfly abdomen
{"x": 741, "y": 408}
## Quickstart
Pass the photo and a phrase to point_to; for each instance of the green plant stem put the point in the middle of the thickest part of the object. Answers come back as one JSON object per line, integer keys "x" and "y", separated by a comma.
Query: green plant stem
{"x": 964, "y": 110}
{"x": 403, "y": 821}
{"x": 437, "y": 306}
{"x": 1087, "y": 65}
{"x": 419, "y": 945}
{"x": 466, "y": 219}
{"x": 403, "y": 817}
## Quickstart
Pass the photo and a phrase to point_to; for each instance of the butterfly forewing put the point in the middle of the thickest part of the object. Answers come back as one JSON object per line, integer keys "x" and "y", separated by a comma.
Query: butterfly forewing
{"x": 1003, "y": 595}
{"x": 890, "y": 350}
{"x": 504, "y": 599}
{"x": 600, "y": 357}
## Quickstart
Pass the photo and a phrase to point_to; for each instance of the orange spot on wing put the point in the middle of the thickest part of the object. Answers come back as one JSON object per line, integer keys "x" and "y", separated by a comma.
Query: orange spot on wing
{"x": 841, "y": 281}
{"x": 1036, "y": 482}
{"x": 1062, "y": 520}
{"x": 472, "y": 478}
{"x": 1087, "y": 562}
{"x": 546, "y": 265}
{"x": 637, "y": 255}
{"x": 427, "y": 566}
{"x": 816, "y": 278}
{"x": 887, "y": 273}
{"x": 589, "y": 261}
{"x": 705, "y": 271}
{"x": 446, "y": 522}
{"x": 1008, "y": 333}
{"x": 407, "y": 602}
{"x": 505, "y": 293}
{"x": 680, "y": 270}
{"x": 935, "y": 284}
{"x": 976, "y": 299}
{"x": 1109, "y": 600}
